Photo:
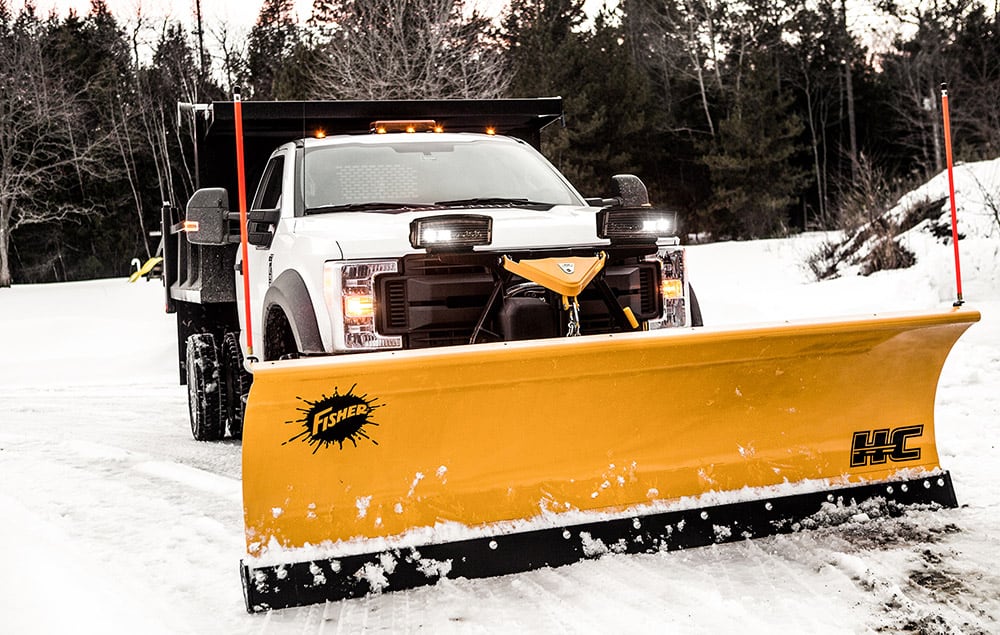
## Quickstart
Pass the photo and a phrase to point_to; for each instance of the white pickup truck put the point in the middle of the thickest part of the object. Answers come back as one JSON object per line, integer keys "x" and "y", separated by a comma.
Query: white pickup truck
{"x": 399, "y": 225}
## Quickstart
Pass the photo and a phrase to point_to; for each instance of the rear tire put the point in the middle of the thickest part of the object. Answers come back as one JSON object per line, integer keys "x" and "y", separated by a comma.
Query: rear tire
{"x": 205, "y": 390}
{"x": 237, "y": 381}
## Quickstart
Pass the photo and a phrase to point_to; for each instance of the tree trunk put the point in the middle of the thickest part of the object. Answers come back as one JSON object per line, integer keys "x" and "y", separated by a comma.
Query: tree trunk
{"x": 814, "y": 142}
{"x": 5, "y": 279}
{"x": 848, "y": 80}
{"x": 936, "y": 132}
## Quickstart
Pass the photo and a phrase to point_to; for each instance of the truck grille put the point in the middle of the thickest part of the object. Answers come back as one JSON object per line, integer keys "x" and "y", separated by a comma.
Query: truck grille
{"x": 395, "y": 303}
{"x": 436, "y": 302}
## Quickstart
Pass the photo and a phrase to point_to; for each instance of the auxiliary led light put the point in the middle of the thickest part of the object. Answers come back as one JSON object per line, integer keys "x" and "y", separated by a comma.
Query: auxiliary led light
{"x": 635, "y": 225}
{"x": 451, "y": 232}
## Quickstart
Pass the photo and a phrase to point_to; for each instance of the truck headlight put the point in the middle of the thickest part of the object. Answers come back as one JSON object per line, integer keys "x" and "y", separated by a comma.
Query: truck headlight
{"x": 451, "y": 232}
{"x": 349, "y": 290}
{"x": 640, "y": 225}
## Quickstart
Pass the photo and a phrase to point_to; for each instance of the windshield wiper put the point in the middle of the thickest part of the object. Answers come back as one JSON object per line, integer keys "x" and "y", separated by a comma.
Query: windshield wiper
{"x": 493, "y": 200}
{"x": 366, "y": 207}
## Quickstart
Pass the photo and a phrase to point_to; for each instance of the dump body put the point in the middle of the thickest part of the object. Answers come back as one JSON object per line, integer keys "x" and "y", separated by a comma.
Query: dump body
{"x": 389, "y": 443}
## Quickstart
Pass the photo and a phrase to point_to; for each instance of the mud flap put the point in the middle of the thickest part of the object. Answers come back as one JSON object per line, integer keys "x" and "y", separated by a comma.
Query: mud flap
{"x": 364, "y": 454}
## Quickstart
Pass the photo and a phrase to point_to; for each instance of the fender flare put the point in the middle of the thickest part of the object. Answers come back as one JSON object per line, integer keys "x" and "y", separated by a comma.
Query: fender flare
{"x": 289, "y": 294}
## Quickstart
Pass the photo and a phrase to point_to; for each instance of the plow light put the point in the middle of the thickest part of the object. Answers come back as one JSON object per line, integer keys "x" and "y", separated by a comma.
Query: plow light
{"x": 451, "y": 232}
{"x": 636, "y": 225}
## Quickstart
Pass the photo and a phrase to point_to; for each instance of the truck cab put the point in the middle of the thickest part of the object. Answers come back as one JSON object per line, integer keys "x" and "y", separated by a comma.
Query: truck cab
{"x": 401, "y": 225}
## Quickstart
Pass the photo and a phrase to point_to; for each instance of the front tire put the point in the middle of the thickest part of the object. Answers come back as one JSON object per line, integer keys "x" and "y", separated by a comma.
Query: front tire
{"x": 279, "y": 341}
{"x": 205, "y": 390}
{"x": 237, "y": 381}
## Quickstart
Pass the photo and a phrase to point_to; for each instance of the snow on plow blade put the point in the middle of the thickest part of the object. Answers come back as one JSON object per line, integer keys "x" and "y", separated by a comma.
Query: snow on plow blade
{"x": 389, "y": 470}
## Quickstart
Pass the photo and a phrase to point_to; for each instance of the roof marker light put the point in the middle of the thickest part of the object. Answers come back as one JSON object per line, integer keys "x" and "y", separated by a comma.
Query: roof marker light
{"x": 404, "y": 125}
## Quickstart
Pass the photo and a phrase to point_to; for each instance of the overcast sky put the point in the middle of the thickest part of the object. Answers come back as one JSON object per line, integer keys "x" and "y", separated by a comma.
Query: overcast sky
{"x": 242, "y": 13}
{"x": 236, "y": 12}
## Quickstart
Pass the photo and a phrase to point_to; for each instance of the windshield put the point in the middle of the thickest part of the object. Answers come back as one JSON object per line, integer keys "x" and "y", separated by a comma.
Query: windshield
{"x": 428, "y": 173}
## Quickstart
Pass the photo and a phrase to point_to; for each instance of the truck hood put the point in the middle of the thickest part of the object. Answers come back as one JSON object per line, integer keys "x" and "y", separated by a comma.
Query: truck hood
{"x": 362, "y": 235}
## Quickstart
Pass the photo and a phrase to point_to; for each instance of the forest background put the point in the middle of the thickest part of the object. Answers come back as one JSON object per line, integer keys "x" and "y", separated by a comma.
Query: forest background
{"x": 755, "y": 118}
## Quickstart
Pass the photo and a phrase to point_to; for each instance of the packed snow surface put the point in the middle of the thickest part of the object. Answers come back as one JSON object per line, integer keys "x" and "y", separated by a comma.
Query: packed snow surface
{"x": 115, "y": 521}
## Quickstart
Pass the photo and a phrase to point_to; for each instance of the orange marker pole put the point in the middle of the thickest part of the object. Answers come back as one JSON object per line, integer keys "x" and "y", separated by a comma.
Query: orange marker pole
{"x": 242, "y": 186}
{"x": 951, "y": 191}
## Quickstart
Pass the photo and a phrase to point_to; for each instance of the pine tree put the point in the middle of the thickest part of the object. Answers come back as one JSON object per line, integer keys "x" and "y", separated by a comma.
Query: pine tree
{"x": 752, "y": 161}
{"x": 605, "y": 94}
{"x": 271, "y": 42}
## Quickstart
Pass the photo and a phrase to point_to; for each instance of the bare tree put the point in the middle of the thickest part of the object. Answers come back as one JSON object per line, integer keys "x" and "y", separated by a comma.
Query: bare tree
{"x": 681, "y": 38}
{"x": 43, "y": 139}
{"x": 918, "y": 69}
{"x": 406, "y": 49}
{"x": 231, "y": 47}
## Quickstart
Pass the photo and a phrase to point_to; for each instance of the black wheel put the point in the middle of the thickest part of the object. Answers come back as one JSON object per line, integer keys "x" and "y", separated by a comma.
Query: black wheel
{"x": 205, "y": 391}
{"x": 237, "y": 381}
{"x": 695, "y": 309}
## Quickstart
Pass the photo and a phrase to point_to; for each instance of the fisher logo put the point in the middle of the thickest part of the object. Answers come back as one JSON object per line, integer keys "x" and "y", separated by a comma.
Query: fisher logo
{"x": 875, "y": 447}
{"x": 336, "y": 418}
{"x": 567, "y": 267}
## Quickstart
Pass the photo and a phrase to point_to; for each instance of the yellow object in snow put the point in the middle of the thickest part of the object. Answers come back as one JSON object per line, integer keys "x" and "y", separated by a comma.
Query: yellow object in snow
{"x": 145, "y": 268}
{"x": 374, "y": 445}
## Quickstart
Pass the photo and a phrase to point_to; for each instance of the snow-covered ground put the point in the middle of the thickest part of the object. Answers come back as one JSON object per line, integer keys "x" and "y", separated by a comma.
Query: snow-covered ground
{"x": 112, "y": 520}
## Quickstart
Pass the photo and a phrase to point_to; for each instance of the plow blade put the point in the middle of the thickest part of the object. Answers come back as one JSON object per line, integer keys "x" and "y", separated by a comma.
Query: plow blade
{"x": 389, "y": 470}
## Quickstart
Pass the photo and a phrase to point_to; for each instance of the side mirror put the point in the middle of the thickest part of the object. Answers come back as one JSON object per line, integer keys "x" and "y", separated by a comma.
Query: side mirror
{"x": 628, "y": 191}
{"x": 207, "y": 217}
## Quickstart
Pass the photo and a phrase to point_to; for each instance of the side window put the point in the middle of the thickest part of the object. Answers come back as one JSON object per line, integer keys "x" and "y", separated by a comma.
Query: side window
{"x": 269, "y": 192}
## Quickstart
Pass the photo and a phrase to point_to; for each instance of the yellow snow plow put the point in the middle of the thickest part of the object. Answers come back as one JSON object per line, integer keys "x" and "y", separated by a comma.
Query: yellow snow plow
{"x": 390, "y": 470}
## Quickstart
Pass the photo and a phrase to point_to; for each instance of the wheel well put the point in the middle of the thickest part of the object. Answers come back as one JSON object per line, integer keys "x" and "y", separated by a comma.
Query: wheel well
{"x": 290, "y": 297}
{"x": 279, "y": 340}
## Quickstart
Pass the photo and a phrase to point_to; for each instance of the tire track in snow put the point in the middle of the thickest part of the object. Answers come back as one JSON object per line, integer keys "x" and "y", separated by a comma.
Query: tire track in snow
{"x": 125, "y": 510}
{"x": 910, "y": 576}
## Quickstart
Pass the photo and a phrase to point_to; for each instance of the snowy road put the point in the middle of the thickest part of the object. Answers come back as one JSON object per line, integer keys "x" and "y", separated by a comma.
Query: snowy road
{"x": 115, "y": 521}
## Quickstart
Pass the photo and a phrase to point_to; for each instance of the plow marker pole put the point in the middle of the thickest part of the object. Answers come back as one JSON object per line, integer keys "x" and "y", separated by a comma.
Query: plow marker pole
{"x": 242, "y": 184}
{"x": 951, "y": 191}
